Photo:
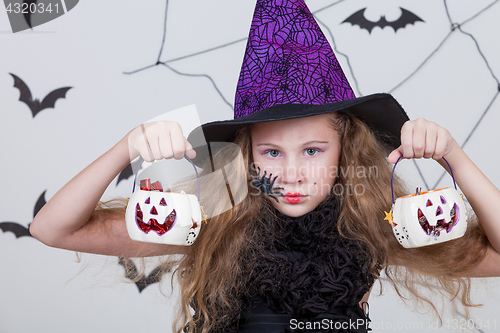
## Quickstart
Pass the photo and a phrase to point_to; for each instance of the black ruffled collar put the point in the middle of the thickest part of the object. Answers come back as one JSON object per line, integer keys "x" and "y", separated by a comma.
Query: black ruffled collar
{"x": 304, "y": 268}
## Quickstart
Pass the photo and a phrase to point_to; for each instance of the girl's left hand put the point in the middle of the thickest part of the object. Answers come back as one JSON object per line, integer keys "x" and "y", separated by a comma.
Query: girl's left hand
{"x": 423, "y": 138}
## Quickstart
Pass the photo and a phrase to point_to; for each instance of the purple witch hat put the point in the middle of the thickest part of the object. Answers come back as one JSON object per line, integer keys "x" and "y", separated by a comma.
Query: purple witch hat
{"x": 290, "y": 71}
{"x": 288, "y": 61}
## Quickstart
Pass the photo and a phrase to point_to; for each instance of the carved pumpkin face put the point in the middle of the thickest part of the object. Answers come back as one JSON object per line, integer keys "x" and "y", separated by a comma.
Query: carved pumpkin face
{"x": 429, "y": 217}
{"x": 154, "y": 216}
{"x": 160, "y": 217}
{"x": 438, "y": 215}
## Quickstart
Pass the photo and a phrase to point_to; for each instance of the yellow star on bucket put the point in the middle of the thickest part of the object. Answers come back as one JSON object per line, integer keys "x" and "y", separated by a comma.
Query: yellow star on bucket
{"x": 388, "y": 217}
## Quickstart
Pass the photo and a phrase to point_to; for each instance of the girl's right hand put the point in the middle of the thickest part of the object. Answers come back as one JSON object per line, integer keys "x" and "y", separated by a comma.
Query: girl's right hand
{"x": 88, "y": 230}
{"x": 159, "y": 140}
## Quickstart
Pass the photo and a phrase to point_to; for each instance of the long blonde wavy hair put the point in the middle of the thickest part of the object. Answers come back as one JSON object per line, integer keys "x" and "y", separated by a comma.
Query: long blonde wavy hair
{"x": 211, "y": 273}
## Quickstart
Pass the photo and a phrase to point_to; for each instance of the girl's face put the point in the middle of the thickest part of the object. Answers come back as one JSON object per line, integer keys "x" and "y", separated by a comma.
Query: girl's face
{"x": 304, "y": 154}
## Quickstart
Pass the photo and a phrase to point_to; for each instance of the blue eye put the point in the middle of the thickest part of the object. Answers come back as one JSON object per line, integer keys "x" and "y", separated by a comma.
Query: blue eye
{"x": 273, "y": 153}
{"x": 311, "y": 151}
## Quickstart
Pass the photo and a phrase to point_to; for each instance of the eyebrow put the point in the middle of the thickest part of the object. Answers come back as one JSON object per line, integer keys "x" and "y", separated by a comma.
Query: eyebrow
{"x": 304, "y": 144}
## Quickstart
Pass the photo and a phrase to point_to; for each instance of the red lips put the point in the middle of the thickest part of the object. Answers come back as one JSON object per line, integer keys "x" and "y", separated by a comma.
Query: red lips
{"x": 293, "y": 197}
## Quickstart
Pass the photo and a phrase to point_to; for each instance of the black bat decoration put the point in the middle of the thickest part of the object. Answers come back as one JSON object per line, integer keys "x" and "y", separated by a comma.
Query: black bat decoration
{"x": 406, "y": 18}
{"x": 27, "y": 14}
{"x": 15, "y": 228}
{"x": 127, "y": 172}
{"x": 141, "y": 281}
{"x": 35, "y": 106}
{"x": 19, "y": 230}
{"x": 39, "y": 203}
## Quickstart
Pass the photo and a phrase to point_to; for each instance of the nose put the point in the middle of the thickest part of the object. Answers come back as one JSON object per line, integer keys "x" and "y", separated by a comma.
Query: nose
{"x": 293, "y": 171}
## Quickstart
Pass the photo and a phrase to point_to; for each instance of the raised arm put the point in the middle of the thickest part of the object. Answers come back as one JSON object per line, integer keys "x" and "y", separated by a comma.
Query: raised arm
{"x": 67, "y": 220}
{"x": 422, "y": 138}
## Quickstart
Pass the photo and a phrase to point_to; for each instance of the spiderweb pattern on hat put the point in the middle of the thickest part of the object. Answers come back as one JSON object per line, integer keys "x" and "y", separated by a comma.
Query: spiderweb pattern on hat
{"x": 288, "y": 60}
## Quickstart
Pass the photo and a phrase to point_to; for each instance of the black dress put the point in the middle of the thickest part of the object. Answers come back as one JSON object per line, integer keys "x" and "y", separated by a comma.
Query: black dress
{"x": 307, "y": 278}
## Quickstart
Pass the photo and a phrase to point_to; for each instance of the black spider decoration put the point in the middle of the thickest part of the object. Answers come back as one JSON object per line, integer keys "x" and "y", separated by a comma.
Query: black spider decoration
{"x": 265, "y": 184}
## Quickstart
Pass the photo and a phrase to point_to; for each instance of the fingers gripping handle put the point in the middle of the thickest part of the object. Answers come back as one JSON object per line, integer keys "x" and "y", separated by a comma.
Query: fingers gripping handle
{"x": 394, "y": 168}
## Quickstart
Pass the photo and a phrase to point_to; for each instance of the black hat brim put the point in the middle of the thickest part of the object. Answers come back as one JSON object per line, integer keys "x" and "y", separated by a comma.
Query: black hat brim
{"x": 380, "y": 111}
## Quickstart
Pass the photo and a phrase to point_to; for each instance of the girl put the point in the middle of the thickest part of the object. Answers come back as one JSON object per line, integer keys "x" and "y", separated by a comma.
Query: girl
{"x": 306, "y": 257}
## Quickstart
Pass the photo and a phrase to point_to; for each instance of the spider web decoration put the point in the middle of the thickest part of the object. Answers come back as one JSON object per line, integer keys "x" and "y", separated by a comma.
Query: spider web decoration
{"x": 288, "y": 60}
{"x": 455, "y": 26}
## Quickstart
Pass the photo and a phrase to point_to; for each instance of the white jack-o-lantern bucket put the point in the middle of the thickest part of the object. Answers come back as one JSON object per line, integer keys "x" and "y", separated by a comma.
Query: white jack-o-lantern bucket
{"x": 155, "y": 216}
{"x": 427, "y": 218}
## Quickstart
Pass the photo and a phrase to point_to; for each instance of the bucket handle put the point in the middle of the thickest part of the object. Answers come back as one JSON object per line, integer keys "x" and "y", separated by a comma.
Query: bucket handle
{"x": 394, "y": 168}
